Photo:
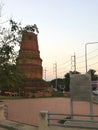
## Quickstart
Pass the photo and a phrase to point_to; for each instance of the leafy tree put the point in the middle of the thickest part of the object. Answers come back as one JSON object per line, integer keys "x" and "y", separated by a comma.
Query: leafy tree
{"x": 67, "y": 79}
{"x": 10, "y": 75}
{"x": 60, "y": 84}
{"x": 93, "y": 75}
{"x": 31, "y": 28}
{"x": 10, "y": 38}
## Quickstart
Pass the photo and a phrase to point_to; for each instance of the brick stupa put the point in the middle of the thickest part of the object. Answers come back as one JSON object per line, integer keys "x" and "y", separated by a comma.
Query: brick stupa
{"x": 30, "y": 63}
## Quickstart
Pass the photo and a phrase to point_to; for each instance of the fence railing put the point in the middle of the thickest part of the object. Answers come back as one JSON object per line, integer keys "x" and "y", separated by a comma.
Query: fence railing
{"x": 73, "y": 121}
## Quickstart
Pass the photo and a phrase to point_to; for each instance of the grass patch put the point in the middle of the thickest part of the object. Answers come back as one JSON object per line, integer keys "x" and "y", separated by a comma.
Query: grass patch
{"x": 10, "y": 97}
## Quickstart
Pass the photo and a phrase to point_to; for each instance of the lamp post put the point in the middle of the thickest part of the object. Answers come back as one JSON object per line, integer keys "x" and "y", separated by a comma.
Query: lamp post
{"x": 86, "y": 53}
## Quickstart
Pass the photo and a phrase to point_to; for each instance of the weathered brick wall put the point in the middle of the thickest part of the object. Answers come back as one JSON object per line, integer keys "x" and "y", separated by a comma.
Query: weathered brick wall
{"x": 29, "y": 56}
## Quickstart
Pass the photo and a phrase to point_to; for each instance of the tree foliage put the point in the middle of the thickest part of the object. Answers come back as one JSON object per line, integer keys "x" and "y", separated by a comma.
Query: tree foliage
{"x": 67, "y": 79}
{"x": 31, "y": 28}
{"x": 10, "y": 75}
{"x": 10, "y": 38}
{"x": 64, "y": 83}
{"x": 94, "y": 76}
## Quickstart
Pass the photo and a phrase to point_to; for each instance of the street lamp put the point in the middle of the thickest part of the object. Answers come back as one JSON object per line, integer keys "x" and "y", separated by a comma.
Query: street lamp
{"x": 86, "y": 53}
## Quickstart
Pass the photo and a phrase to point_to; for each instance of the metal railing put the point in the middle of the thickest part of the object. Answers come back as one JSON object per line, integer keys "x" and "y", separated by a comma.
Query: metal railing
{"x": 73, "y": 121}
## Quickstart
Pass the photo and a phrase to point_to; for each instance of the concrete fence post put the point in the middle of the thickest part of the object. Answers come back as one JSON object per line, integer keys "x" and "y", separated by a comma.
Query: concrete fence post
{"x": 2, "y": 115}
{"x": 43, "y": 120}
{"x": 6, "y": 111}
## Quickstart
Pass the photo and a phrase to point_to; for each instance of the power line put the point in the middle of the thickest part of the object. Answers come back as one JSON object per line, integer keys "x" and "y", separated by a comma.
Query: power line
{"x": 93, "y": 63}
{"x": 92, "y": 57}
{"x": 93, "y": 51}
{"x": 67, "y": 65}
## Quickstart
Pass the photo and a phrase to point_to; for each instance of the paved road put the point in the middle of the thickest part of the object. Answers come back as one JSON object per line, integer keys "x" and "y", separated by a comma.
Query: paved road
{"x": 27, "y": 110}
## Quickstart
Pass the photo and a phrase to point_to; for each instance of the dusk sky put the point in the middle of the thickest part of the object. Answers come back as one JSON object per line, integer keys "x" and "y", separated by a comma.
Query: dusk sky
{"x": 65, "y": 26}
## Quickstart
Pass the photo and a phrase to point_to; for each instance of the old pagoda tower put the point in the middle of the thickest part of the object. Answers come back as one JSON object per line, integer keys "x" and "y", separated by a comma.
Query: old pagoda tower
{"x": 30, "y": 63}
{"x": 29, "y": 56}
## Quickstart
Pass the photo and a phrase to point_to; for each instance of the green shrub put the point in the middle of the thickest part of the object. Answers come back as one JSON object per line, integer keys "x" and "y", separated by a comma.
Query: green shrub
{"x": 57, "y": 94}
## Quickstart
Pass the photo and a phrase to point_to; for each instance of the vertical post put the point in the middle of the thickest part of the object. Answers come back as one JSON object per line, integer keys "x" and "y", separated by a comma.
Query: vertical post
{"x": 2, "y": 115}
{"x": 91, "y": 100}
{"x": 43, "y": 120}
{"x": 56, "y": 75}
{"x": 91, "y": 109}
{"x": 74, "y": 62}
{"x": 71, "y": 63}
{"x": 86, "y": 57}
{"x": 45, "y": 73}
{"x": 86, "y": 54}
{"x": 71, "y": 108}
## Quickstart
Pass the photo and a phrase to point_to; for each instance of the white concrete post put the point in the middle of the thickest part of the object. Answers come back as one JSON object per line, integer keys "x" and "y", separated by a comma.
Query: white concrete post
{"x": 43, "y": 120}
{"x": 2, "y": 116}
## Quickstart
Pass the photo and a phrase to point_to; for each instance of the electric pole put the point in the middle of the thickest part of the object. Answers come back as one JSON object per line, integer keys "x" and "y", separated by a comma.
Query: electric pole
{"x": 45, "y": 73}
{"x": 55, "y": 70}
{"x": 73, "y": 62}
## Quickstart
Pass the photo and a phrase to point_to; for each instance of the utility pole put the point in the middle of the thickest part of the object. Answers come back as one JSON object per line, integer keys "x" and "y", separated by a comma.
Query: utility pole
{"x": 73, "y": 62}
{"x": 45, "y": 73}
{"x": 55, "y": 70}
{"x": 86, "y": 64}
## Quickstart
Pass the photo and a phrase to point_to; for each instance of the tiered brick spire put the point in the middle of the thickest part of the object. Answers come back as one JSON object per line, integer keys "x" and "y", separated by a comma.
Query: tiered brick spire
{"x": 30, "y": 63}
{"x": 29, "y": 56}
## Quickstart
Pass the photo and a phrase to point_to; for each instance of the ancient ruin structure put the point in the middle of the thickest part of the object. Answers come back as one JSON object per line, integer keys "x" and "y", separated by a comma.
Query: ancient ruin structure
{"x": 29, "y": 56}
{"x": 30, "y": 63}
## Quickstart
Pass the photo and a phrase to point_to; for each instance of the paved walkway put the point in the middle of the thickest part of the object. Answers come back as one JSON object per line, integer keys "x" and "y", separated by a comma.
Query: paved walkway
{"x": 11, "y": 125}
{"x": 27, "y": 110}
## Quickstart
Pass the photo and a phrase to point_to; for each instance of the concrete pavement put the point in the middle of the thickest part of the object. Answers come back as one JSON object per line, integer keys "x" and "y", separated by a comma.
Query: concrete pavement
{"x": 11, "y": 125}
{"x": 26, "y": 111}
